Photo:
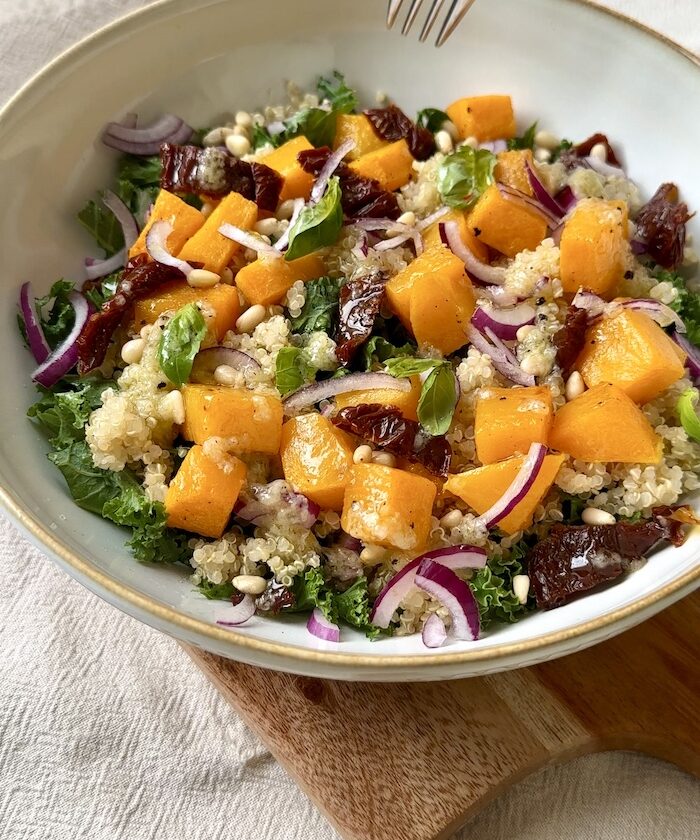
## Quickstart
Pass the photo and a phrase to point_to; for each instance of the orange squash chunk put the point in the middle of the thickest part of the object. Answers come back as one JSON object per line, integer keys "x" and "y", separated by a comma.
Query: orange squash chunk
{"x": 210, "y": 247}
{"x": 630, "y": 350}
{"x": 221, "y": 298}
{"x": 431, "y": 237}
{"x": 391, "y": 166}
{"x": 405, "y": 401}
{"x": 358, "y": 128}
{"x": 592, "y": 247}
{"x": 483, "y": 487}
{"x": 297, "y": 183}
{"x": 441, "y": 308}
{"x": 506, "y": 225}
{"x": 252, "y": 422}
{"x": 484, "y": 117}
{"x": 268, "y": 279}
{"x": 387, "y": 506}
{"x": 186, "y": 221}
{"x": 511, "y": 169}
{"x": 202, "y": 495}
{"x": 316, "y": 459}
{"x": 508, "y": 420}
{"x": 604, "y": 425}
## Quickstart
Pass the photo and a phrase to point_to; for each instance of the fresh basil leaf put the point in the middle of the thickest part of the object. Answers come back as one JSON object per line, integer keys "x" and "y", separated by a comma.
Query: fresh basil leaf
{"x": 437, "y": 401}
{"x": 342, "y": 98}
{"x": 318, "y": 225}
{"x": 104, "y": 227}
{"x": 103, "y": 289}
{"x": 292, "y": 370}
{"x": 140, "y": 171}
{"x": 180, "y": 342}
{"x": 688, "y": 414}
{"x": 526, "y": 141}
{"x": 320, "y": 310}
{"x": 378, "y": 350}
{"x": 432, "y": 119}
{"x": 409, "y": 366}
{"x": 317, "y": 125}
{"x": 464, "y": 175}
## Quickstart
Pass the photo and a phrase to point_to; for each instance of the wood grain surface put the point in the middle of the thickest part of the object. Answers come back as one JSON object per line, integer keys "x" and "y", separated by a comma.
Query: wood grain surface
{"x": 415, "y": 761}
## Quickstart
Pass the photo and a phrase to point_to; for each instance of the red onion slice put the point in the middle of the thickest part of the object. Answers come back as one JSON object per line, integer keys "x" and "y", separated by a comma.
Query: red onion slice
{"x": 657, "y": 311}
{"x": 425, "y": 223}
{"x": 348, "y": 542}
{"x": 692, "y": 361}
{"x": 395, "y": 241}
{"x": 263, "y": 505}
{"x": 498, "y": 295}
{"x": 458, "y": 556}
{"x": 249, "y": 240}
{"x": 360, "y": 250}
{"x": 311, "y": 394}
{"x": 333, "y": 162}
{"x": 434, "y": 633}
{"x": 503, "y": 359}
{"x": 65, "y": 356}
{"x": 318, "y": 625}
{"x": 604, "y": 168}
{"x": 526, "y": 477}
{"x": 157, "y": 246}
{"x": 454, "y": 594}
{"x": 591, "y": 302}
{"x": 542, "y": 194}
{"x": 123, "y": 215}
{"x": 241, "y": 612}
{"x": 146, "y": 141}
{"x": 566, "y": 199}
{"x": 94, "y": 269}
{"x": 504, "y": 322}
{"x": 207, "y": 361}
{"x": 484, "y": 273}
{"x": 35, "y": 335}
{"x": 283, "y": 241}
{"x": 378, "y": 224}
{"x": 518, "y": 197}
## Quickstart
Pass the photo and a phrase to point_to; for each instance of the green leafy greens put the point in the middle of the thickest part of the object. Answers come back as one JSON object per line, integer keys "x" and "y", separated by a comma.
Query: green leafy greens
{"x": 342, "y": 98}
{"x": 318, "y": 225}
{"x": 688, "y": 414}
{"x": 55, "y": 312}
{"x": 351, "y": 606}
{"x": 493, "y": 588}
{"x": 564, "y": 146}
{"x": 432, "y": 119}
{"x": 686, "y": 304}
{"x": 378, "y": 350}
{"x": 320, "y": 310}
{"x": 180, "y": 343}
{"x": 527, "y": 141}
{"x": 438, "y": 397}
{"x": 292, "y": 370}
{"x": 464, "y": 175}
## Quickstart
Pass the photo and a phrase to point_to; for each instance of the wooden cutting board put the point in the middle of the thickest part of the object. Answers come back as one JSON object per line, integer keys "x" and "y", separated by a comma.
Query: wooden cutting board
{"x": 415, "y": 761}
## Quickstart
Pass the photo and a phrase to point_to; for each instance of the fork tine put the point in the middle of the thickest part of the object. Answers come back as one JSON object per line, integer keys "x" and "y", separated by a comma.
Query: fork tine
{"x": 410, "y": 18}
{"x": 432, "y": 16}
{"x": 454, "y": 16}
{"x": 392, "y": 12}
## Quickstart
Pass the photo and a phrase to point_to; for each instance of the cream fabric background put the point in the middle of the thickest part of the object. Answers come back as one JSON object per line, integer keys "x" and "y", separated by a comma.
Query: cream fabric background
{"x": 108, "y": 732}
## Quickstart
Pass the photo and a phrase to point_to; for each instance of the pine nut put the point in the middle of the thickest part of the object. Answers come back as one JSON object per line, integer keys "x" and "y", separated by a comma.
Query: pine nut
{"x": 385, "y": 459}
{"x": 381, "y": 98}
{"x": 250, "y": 319}
{"x": 226, "y": 375}
{"x": 243, "y": 118}
{"x": 285, "y": 210}
{"x": 237, "y": 145}
{"x": 207, "y": 209}
{"x": 372, "y": 554}
{"x": 530, "y": 364}
{"x": 267, "y": 227}
{"x": 240, "y": 131}
{"x": 521, "y": 587}
{"x": 452, "y": 519}
{"x": 596, "y": 516}
{"x": 546, "y": 140}
{"x": 575, "y": 386}
{"x": 451, "y": 129}
{"x": 542, "y": 155}
{"x": 408, "y": 218}
{"x": 227, "y": 277}
{"x": 200, "y": 278}
{"x": 250, "y": 584}
{"x": 362, "y": 455}
{"x": 173, "y": 406}
{"x": 217, "y": 136}
{"x": 523, "y": 332}
{"x": 599, "y": 152}
{"x": 443, "y": 141}
{"x": 133, "y": 350}
{"x": 471, "y": 141}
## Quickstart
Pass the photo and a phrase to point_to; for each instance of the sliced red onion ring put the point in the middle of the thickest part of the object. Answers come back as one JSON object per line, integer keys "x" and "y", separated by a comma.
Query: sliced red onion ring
{"x": 484, "y": 273}
{"x": 557, "y": 232}
{"x": 146, "y": 141}
{"x": 94, "y": 269}
{"x": 566, "y": 199}
{"x": 518, "y": 197}
{"x": 306, "y": 509}
{"x": 249, "y": 240}
{"x": 458, "y": 556}
{"x": 498, "y": 295}
{"x": 692, "y": 361}
{"x": 283, "y": 241}
{"x": 454, "y": 594}
{"x": 504, "y": 360}
{"x": 542, "y": 194}
{"x": 318, "y": 625}
{"x": 123, "y": 215}
{"x": 395, "y": 241}
{"x": 241, "y": 612}
{"x": 638, "y": 247}
{"x": 35, "y": 335}
{"x": 379, "y": 224}
{"x": 526, "y": 477}
{"x": 425, "y": 223}
{"x": 65, "y": 356}
{"x": 604, "y": 168}
{"x": 504, "y": 322}
{"x": 434, "y": 633}
{"x": 591, "y": 302}
{"x": 659, "y": 312}
{"x": 157, "y": 246}
{"x": 311, "y": 394}
{"x": 333, "y": 162}
{"x": 207, "y": 361}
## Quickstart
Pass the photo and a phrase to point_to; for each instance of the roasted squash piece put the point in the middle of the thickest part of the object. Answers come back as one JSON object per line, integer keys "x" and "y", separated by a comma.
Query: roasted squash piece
{"x": 316, "y": 459}
{"x": 431, "y": 237}
{"x": 441, "y": 308}
{"x": 251, "y": 422}
{"x": 387, "y": 506}
{"x": 630, "y": 350}
{"x": 604, "y": 425}
{"x": 268, "y": 279}
{"x": 358, "y": 128}
{"x": 506, "y": 225}
{"x": 483, "y": 487}
{"x": 186, "y": 221}
{"x": 508, "y": 420}
{"x": 484, "y": 117}
{"x": 405, "y": 401}
{"x": 511, "y": 169}
{"x": 391, "y": 166}
{"x": 592, "y": 247}
{"x": 202, "y": 495}
{"x": 297, "y": 183}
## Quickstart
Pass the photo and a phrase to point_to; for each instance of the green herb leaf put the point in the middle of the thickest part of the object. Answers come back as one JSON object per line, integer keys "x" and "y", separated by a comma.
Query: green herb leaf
{"x": 343, "y": 99}
{"x": 103, "y": 290}
{"x": 140, "y": 171}
{"x": 563, "y": 146}
{"x": 90, "y": 487}
{"x": 686, "y": 304}
{"x": 318, "y": 225}
{"x": 310, "y": 591}
{"x": 572, "y": 507}
{"x": 292, "y": 370}
{"x": 260, "y": 137}
{"x": 354, "y": 608}
{"x": 180, "y": 343}
{"x": 320, "y": 310}
{"x": 432, "y": 119}
{"x": 104, "y": 227}
{"x": 215, "y": 591}
{"x": 56, "y": 313}
{"x": 464, "y": 175}
{"x": 437, "y": 401}
{"x": 401, "y": 366}
{"x": 317, "y": 125}
{"x": 378, "y": 350}
{"x": 527, "y": 141}
{"x": 688, "y": 414}
{"x": 493, "y": 589}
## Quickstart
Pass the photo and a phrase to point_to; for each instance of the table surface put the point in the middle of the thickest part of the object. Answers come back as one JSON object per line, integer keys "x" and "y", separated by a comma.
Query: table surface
{"x": 108, "y": 731}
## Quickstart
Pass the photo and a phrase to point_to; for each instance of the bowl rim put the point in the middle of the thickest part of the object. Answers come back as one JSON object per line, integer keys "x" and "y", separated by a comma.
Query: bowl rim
{"x": 125, "y": 594}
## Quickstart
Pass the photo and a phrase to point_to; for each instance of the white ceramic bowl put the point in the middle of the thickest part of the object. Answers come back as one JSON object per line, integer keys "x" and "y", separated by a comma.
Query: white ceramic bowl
{"x": 575, "y": 69}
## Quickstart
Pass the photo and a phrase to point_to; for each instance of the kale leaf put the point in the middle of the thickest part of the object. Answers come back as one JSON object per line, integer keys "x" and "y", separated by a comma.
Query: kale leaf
{"x": 342, "y": 98}
{"x": 320, "y": 310}
{"x": 55, "y": 312}
{"x": 526, "y": 141}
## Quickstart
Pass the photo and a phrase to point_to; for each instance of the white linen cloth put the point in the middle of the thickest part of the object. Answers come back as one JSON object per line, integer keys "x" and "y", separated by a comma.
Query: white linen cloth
{"x": 107, "y": 730}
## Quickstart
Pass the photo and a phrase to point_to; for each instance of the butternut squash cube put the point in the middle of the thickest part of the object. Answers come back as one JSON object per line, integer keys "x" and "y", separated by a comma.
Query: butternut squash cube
{"x": 405, "y": 401}
{"x": 251, "y": 422}
{"x": 511, "y": 169}
{"x": 506, "y": 225}
{"x": 441, "y": 308}
{"x": 268, "y": 279}
{"x": 592, "y": 247}
{"x": 630, "y": 350}
{"x": 186, "y": 221}
{"x": 484, "y": 117}
{"x": 508, "y": 420}
{"x": 316, "y": 459}
{"x": 358, "y": 128}
{"x": 389, "y": 507}
{"x": 431, "y": 236}
{"x": 604, "y": 425}
{"x": 202, "y": 495}
{"x": 391, "y": 166}
{"x": 297, "y": 183}
{"x": 221, "y": 298}
{"x": 210, "y": 247}
{"x": 483, "y": 487}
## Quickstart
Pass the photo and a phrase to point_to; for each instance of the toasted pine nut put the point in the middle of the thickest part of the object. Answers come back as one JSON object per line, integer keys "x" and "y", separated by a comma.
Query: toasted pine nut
{"x": 133, "y": 350}
{"x": 386, "y": 459}
{"x": 243, "y": 118}
{"x": 267, "y": 227}
{"x": 596, "y": 516}
{"x": 444, "y": 142}
{"x": 227, "y": 277}
{"x": 546, "y": 140}
{"x": 250, "y": 319}
{"x": 362, "y": 455}
{"x": 237, "y": 145}
{"x": 599, "y": 152}
{"x": 521, "y": 587}
{"x": 200, "y": 278}
{"x": 542, "y": 155}
{"x": 523, "y": 332}
{"x": 471, "y": 141}
{"x": 172, "y": 405}
{"x": 452, "y": 519}
{"x": 451, "y": 129}
{"x": 575, "y": 386}
{"x": 285, "y": 210}
{"x": 225, "y": 375}
{"x": 250, "y": 584}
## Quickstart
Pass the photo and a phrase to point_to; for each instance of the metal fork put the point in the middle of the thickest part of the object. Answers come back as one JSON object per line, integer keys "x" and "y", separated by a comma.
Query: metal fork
{"x": 457, "y": 11}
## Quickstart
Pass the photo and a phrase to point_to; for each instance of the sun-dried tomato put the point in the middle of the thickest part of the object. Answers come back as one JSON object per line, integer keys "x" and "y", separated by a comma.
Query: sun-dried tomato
{"x": 275, "y": 599}
{"x": 584, "y": 149}
{"x": 385, "y": 426}
{"x": 138, "y": 280}
{"x": 569, "y": 340}
{"x": 360, "y": 300}
{"x": 392, "y": 124}
{"x": 268, "y": 186}
{"x": 661, "y": 226}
